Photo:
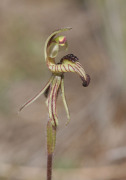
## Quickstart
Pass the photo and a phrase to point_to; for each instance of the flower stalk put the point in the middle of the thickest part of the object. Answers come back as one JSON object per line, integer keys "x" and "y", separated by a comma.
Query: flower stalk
{"x": 51, "y": 141}
{"x": 69, "y": 63}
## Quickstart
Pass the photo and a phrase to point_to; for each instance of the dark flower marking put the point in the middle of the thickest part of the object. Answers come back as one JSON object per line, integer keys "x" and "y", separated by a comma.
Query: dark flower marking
{"x": 87, "y": 81}
{"x": 70, "y": 57}
{"x": 46, "y": 93}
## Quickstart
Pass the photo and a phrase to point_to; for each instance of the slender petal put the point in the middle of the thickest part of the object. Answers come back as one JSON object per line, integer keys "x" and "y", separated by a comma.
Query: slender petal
{"x": 64, "y": 101}
{"x": 37, "y": 95}
{"x": 52, "y": 100}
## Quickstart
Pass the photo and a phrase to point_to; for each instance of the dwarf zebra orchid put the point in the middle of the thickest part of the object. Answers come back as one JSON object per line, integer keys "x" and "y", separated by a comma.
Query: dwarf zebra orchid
{"x": 68, "y": 63}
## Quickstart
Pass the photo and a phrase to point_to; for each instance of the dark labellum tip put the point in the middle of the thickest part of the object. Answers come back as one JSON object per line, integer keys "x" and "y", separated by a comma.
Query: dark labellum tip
{"x": 87, "y": 81}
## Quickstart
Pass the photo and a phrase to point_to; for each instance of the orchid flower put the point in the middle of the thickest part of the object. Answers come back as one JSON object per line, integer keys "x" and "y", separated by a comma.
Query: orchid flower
{"x": 68, "y": 63}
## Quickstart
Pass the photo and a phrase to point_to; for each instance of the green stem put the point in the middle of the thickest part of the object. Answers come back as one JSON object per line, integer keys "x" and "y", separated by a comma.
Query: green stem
{"x": 51, "y": 140}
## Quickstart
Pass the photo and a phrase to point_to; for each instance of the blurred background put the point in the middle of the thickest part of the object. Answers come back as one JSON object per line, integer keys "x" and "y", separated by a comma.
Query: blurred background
{"x": 93, "y": 145}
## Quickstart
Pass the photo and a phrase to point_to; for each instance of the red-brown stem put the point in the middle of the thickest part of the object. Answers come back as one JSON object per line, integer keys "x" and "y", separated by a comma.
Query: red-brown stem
{"x": 49, "y": 166}
{"x": 51, "y": 138}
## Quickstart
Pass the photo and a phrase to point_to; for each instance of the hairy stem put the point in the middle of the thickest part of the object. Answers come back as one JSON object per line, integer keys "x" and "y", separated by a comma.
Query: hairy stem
{"x": 51, "y": 140}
